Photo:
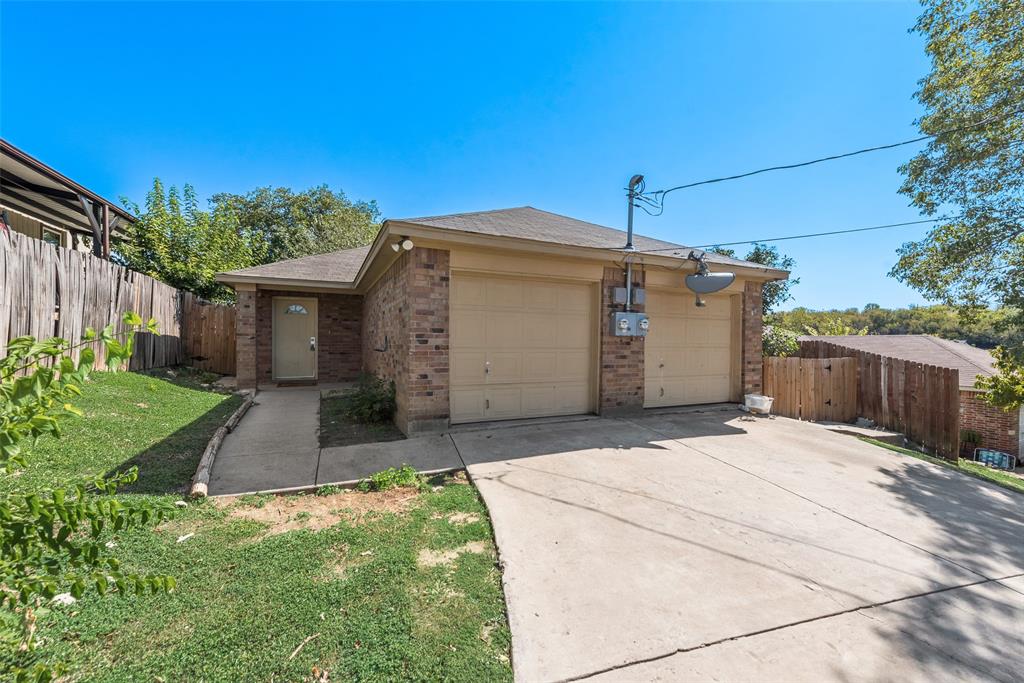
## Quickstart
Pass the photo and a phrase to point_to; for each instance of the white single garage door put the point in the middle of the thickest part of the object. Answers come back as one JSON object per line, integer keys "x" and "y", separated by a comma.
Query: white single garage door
{"x": 520, "y": 348}
{"x": 688, "y": 353}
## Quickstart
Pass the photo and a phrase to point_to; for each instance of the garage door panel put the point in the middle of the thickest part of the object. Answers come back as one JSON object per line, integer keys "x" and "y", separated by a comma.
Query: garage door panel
{"x": 468, "y": 367}
{"x": 536, "y": 339}
{"x": 540, "y": 330}
{"x": 573, "y": 366}
{"x": 572, "y": 398}
{"x": 541, "y": 297}
{"x": 467, "y": 404}
{"x": 504, "y": 330}
{"x": 504, "y": 366}
{"x": 468, "y": 292}
{"x": 574, "y": 298}
{"x": 539, "y": 400}
{"x": 540, "y": 365}
{"x": 468, "y": 329}
{"x": 504, "y": 293}
{"x": 504, "y": 402}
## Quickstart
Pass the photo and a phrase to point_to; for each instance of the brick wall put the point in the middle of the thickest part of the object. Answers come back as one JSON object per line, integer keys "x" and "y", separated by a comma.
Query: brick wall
{"x": 409, "y": 306}
{"x": 998, "y": 428}
{"x": 429, "y": 286}
{"x": 245, "y": 339}
{"x": 621, "y": 381}
{"x": 751, "y": 368}
{"x": 386, "y": 332}
{"x": 339, "y": 324}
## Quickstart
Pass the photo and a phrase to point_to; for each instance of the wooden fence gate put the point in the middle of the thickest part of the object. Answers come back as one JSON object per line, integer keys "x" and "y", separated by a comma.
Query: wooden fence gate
{"x": 812, "y": 389}
{"x": 922, "y": 402}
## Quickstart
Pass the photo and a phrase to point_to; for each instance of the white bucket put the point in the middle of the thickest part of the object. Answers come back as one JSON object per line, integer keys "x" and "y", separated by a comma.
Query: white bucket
{"x": 757, "y": 403}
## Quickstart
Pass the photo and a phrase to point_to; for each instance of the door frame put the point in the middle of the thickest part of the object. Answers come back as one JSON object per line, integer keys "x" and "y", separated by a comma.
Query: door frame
{"x": 311, "y": 304}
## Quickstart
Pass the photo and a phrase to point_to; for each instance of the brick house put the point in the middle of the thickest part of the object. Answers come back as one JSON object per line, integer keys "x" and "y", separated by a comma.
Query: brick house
{"x": 501, "y": 315}
{"x": 999, "y": 429}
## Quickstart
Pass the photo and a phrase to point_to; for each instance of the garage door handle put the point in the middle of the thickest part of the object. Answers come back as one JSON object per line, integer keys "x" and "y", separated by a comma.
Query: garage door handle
{"x": 487, "y": 368}
{"x": 662, "y": 391}
{"x": 312, "y": 343}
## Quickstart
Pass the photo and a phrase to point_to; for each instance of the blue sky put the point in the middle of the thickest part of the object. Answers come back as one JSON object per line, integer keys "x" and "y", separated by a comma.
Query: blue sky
{"x": 441, "y": 108}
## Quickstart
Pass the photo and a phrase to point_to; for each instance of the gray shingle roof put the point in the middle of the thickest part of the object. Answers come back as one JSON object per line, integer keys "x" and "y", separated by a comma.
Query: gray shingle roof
{"x": 922, "y": 348}
{"x": 336, "y": 267}
{"x": 525, "y": 222}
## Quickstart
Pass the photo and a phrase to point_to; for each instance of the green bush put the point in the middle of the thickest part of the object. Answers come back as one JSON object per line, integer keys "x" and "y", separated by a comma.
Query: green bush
{"x": 373, "y": 400}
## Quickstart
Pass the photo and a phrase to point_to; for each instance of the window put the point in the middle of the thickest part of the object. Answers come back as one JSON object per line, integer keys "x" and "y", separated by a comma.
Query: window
{"x": 295, "y": 309}
{"x": 54, "y": 237}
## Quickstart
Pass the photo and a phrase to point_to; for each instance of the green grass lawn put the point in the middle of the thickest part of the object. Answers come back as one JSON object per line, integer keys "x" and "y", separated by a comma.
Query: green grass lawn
{"x": 974, "y": 469}
{"x": 396, "y": 585}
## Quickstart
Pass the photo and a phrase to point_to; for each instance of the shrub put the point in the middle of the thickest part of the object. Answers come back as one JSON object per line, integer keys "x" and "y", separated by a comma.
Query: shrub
{"x": 373, "y": 400}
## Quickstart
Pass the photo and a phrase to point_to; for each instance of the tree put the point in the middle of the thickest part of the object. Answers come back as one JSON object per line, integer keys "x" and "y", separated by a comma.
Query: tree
{"x": 834, "y": 327}
{"x": 972, "y": 175}
{"x": 315, "y": 221}
{"x": 178, "y": 243}
{"x": 51, "y": 541}
{"x": 773, "y": 294}
{"x": 778, "y": 341}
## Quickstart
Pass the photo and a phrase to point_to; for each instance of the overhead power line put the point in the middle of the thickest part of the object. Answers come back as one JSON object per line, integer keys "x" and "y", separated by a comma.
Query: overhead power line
{"x": 800, "y": 237}
{"x": 656, "y": 200}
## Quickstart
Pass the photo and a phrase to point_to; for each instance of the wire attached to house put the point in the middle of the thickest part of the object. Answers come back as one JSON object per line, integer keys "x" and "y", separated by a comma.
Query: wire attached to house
{"x": 800, "y": 237}
{"x": 653, "y": 203}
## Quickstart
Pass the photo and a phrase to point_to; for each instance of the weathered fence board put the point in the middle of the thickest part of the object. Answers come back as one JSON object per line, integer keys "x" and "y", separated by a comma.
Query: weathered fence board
{"x": 812, "y": 389}
{"x": 48, "y": 291}
{"x": 920, "y": 401}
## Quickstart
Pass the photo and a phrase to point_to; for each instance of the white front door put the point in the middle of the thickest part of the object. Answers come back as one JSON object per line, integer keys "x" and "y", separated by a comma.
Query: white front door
{"x": 294, "y": 341}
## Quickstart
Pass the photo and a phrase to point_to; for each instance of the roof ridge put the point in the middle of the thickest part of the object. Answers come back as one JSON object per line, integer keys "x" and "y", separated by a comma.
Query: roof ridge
{"x": 949, "y": 347}
{"x": 465, "y": 213}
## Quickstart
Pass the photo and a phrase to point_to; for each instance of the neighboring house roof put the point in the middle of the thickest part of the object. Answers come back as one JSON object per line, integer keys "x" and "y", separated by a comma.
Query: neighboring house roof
{"x": 523, "y": 223}
{"x": 31, "y": 187}
{"x": 921, "y": 348}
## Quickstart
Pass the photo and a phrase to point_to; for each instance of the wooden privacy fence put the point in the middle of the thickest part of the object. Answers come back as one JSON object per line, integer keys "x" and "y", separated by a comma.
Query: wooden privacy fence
{"x": 812, "y": 389}
{"x": 48, "y": 291}
{"x": 920, "y": 401}
{"x": 208, "y": 335}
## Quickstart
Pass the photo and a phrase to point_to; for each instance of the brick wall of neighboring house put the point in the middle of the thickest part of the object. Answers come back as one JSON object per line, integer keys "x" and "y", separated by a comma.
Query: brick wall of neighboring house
{"x": 752, "y": 363}
{"x": 245, "y": 338}
{"x": 621, "y": 382}
{"x": 998, "y": 429}
{"x": 339, "y": 326}
{"x": 409, "y": 306}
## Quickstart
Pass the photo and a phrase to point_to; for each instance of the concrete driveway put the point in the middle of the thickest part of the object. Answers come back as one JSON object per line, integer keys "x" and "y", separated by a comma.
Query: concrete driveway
{"x": 713, "y": 546}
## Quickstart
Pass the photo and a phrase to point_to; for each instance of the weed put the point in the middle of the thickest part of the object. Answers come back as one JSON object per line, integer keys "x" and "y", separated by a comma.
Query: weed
{"x": 392, "y": 478}
{"x": 328, "y": 490}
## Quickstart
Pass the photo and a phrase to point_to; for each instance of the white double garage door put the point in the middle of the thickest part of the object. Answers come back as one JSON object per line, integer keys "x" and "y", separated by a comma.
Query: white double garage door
{"x": 529, "y": 348}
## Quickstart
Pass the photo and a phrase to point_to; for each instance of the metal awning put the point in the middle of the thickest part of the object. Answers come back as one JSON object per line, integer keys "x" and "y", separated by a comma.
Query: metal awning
{"x": 30, "y": 187}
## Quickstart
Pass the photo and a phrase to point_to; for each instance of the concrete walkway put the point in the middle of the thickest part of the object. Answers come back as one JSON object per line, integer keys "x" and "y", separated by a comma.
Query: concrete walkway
{"x": 700, "y": 546}
{"x": 276, "y": 448}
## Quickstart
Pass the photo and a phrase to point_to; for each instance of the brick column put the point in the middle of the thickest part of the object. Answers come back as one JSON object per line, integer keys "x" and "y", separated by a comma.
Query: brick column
{"x": 245, "y": 338}
{"x": 427, "y": 385}
{"x": 621, "y": 384}
{"x": 752, "y": 363}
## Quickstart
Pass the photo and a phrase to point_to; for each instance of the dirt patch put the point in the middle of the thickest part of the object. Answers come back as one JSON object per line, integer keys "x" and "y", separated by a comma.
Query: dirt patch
{"x": 463, "y": 518}
{"x": 289, "y": 513}
{"x": 433, "y": 558}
